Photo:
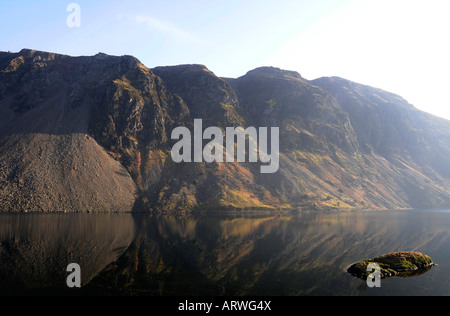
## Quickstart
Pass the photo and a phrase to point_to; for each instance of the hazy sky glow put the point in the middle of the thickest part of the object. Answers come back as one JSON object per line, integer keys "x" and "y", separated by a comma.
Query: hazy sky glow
{"x": 398, "y": 45}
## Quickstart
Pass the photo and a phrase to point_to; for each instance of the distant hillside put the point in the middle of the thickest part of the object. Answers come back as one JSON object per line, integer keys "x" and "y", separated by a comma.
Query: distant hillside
{"x": 93, "y": 134}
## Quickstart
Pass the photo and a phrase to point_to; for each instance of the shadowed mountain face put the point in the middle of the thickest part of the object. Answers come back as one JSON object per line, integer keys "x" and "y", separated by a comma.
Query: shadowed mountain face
{"x": 94, "y": 134}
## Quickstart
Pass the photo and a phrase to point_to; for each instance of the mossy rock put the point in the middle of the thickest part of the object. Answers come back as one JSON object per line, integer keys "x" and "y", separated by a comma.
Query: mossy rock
{"x": 402, "y": 263}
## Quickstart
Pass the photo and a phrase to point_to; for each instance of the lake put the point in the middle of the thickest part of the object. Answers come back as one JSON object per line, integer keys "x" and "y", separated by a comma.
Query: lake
{"x": 214, "y": 255}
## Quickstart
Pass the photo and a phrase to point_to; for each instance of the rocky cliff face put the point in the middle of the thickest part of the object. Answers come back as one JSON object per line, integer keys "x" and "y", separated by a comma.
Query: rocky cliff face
{"x": 94, "y": 134}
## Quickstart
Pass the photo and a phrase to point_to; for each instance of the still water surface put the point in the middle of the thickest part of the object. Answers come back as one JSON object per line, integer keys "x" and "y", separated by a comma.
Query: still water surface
{"x": 281, "y": 255}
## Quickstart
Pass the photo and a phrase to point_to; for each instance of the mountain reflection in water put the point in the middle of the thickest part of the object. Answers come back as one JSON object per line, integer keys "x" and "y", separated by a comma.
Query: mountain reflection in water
{"x": 302, "y": 254}
{"x": 35, "y": 249}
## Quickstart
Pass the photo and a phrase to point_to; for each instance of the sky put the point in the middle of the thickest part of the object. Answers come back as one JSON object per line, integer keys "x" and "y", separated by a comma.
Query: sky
{"x": 401, "y": 46}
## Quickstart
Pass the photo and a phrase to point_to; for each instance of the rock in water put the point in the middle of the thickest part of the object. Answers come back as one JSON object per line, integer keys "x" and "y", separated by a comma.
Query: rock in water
{"x": 403, "y": 263}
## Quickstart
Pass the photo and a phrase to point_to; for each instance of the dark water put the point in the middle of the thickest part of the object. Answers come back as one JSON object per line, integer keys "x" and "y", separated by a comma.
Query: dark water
{"x": 304, "y": 254}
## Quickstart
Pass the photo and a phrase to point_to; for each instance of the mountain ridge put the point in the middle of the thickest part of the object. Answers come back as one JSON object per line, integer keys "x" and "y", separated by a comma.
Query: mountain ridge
{"x": 343, "y": 145}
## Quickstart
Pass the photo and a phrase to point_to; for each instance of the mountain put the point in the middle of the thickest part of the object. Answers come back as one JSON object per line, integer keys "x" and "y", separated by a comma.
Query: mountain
{"x": 93, "y": 133}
